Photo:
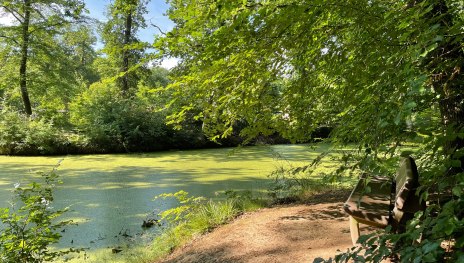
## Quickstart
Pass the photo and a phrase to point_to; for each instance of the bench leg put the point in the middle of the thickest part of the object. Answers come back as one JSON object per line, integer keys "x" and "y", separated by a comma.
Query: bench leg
{"x": 354, "y": 230}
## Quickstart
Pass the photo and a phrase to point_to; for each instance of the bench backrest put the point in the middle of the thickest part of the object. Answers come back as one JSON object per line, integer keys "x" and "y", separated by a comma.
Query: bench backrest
{"x": 407, "y": 180}
{"x": 406, "y": 201}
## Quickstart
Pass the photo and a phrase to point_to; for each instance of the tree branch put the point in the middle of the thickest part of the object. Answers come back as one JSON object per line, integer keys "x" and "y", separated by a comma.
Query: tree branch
{"x": 14, "y": 13}
{"x": 159, "y": 29}
{"x": 10, "y": 38}
{"x": 49, "y": 27}
{"x": 41, "y": 15}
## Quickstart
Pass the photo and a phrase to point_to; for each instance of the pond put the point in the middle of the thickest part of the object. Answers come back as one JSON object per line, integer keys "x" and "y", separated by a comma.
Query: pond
{"x": 110, "y": 195}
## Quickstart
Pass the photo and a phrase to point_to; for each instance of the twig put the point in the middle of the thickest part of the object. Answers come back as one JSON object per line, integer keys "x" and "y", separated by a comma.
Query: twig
{"x": 157, "y": 27}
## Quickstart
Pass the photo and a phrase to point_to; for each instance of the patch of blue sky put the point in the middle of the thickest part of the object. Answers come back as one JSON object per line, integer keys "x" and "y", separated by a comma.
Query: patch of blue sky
{"x": 156, "y": 20}
{"x": 155, "y": 16}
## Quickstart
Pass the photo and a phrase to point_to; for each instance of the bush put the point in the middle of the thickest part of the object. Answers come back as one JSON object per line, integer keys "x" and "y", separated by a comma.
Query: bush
{"x": 22, "y": 135}
{"x": 113, "y": 123}
{"x": 189, "y": 136}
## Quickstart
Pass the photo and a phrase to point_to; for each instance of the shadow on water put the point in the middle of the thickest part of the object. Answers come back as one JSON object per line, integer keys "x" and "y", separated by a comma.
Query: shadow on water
{"x": 110, "y": 195}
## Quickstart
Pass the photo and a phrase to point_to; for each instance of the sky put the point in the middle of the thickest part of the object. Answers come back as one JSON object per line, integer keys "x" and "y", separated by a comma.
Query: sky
{"x": 156, "y": 15}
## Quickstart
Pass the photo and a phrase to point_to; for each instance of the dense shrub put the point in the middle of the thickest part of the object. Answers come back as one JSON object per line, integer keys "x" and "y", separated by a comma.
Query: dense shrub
{"x": 101, "y": 120}
{"x": 115, "y": 123}
{"x": 22, "y": 135}
{"x": 190, "y": 136}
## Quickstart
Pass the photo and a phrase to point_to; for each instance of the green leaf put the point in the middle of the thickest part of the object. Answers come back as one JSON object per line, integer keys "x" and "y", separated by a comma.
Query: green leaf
{"x": 398, "y": 118}
{"x": 410, "y": 105}
{"x": 429, "y": 247}
{"x": 449, "y": 227}
{"x": 456, "y": 163}
{"x": 457, "y": 191}
{"x": 429, "y": 49}
{"x": 438, "y": 39}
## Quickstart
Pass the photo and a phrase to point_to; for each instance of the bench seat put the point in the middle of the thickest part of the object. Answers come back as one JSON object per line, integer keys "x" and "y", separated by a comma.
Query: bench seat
{"x": 380, "y": 201}
{"x": 372, "y": 208}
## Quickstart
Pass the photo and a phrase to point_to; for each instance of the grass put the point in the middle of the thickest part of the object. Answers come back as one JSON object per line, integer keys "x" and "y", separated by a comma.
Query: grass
{"x": 195, "y": 217}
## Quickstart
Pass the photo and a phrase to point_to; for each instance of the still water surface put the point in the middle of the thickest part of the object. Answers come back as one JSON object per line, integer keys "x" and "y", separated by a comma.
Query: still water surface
{"x": 110, "y": 195}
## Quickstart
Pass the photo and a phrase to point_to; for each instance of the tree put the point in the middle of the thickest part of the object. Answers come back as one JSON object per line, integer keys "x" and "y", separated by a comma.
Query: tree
{"x": 31, "y": 18}
{"x": 121, "y": 44}
{"x": 378, "y": 71}
{"x": 79, "y": 41}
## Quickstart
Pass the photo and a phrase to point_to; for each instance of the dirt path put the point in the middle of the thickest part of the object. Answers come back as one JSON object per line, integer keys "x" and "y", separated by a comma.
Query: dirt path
{"x": 289, "y": 234}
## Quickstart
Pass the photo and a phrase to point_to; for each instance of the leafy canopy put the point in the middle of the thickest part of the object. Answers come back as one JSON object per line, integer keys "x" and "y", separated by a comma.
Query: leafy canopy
{"x": 292, "y": 65}
{"x": 379, "y": 72}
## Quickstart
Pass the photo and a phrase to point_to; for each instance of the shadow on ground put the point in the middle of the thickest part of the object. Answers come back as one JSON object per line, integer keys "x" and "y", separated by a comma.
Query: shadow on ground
{"x": 292, "y": 233}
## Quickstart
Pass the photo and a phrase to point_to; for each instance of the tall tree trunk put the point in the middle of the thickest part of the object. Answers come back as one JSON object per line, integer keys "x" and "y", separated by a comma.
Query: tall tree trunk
{"x": 24, "y": 57}
{"x": 447, "y": 79}
{"x": 452, "y": 114}
{"x": 125, "y": 58}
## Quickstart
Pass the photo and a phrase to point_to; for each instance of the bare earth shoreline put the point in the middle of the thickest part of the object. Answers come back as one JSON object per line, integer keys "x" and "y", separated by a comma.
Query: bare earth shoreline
{"x": 290, "y": 234}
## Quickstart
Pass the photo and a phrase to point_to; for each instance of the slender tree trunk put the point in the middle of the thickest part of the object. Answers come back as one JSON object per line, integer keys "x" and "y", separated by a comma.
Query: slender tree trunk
{"x": 125, "y": 58}
{"x": 24, "y": 57}
{"x": 83, "y": 53}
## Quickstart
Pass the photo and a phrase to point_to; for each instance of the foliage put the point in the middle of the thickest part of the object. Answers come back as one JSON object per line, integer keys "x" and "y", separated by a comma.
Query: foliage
{"x": 236, "y": 36}
{"x": 292, "y": 184}
{"x": 30, "y": 225}
{"x": 20, "y": 135}
{"x": 296, "y": 182}
{"x": 440, "y": 237}
{"x": 78, "y": 41}
{"x": 184, "y": 210}
{"x": 433, "y": 235}
{"x": 122, "y": 47}
{"x": 115, "y": 123}
{"x": 55, "y": 51}
{"x": 381, "y": 73}
{"x": 245, "y": 201}
{"x": 32, "y": 34}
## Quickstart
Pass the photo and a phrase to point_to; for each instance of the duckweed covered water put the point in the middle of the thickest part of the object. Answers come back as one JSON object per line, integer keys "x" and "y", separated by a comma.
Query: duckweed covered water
{"x": 110, "y": 195}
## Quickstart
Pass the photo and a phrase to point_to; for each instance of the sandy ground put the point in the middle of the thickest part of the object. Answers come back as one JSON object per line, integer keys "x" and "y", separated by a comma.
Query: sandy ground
{"x": 290, "y": 234}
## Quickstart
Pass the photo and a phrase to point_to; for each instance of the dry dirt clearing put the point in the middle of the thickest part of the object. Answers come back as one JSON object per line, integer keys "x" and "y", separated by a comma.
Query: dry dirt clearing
{"x": 290, "y": 234}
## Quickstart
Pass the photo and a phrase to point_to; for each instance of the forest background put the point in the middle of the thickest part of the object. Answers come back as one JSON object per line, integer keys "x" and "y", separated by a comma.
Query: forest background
{"x": 74, "y": 84}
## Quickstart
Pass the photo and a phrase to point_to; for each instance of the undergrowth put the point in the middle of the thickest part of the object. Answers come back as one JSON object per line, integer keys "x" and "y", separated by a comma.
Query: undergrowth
{"x": 192, "y": 217}
{"x": 196, "y": 215}
{"x": 30, "y": 226}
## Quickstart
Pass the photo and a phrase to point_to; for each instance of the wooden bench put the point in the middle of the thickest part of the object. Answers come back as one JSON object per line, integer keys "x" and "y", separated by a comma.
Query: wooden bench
{"x": 381, "y": 201}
